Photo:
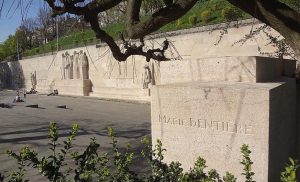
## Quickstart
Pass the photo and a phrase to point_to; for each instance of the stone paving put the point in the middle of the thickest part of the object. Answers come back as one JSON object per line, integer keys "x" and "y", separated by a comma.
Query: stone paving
{"x": 21, "y": 125}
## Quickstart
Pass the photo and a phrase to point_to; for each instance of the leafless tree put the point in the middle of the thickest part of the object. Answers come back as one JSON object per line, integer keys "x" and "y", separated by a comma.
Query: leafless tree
{"x": 113, "y": 15}
{"x": 29, "y": 25}
{"x": 45, "y": 23}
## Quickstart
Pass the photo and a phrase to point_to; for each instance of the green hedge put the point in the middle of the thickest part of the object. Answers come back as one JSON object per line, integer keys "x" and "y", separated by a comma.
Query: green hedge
{"x": 91, "y": 165}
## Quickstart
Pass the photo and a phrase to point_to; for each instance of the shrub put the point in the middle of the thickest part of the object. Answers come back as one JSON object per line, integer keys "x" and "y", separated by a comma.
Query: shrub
{"x": 37, "y": 50}
{"x": 90, "y": 165}
{"x": 247, "y": 163}
{"x": 52, "y": 47}
{"x": 193, "y": 20}
{"x": 205, "y": 16}
{"x": 215, "y": 7}
{"x": 289, "y": 173}
{"x": 231, "y": 13}
{"x": 76, "y": 42}
{"x": 179, "y": 23}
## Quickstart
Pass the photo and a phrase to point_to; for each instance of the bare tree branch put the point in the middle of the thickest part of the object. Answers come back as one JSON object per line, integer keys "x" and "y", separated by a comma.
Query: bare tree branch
{"x": 277, "y": 15}
{"x": 160, "y": 18}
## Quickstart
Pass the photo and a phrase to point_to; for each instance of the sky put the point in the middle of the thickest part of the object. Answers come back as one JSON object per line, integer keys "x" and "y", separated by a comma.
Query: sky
{"x": 10, "y": 19}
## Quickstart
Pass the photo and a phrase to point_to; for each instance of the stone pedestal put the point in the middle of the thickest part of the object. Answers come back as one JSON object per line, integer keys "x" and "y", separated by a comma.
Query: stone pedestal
{"x": 73, "y": 87}
{"x": 214, "y": 119}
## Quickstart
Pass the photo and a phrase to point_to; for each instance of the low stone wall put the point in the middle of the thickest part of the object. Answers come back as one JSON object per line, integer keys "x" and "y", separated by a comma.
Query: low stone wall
{"x": 111, "y": 79}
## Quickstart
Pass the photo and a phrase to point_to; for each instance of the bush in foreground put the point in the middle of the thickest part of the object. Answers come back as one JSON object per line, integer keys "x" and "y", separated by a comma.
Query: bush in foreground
{"x": 92, "y": 166}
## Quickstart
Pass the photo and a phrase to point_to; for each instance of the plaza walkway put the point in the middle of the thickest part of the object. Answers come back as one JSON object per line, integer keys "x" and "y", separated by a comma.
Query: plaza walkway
{"x": 21, "y": 125}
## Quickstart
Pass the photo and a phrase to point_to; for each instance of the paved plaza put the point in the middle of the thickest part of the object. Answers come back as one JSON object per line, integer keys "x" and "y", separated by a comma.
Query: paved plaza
{"x": 21, "y": 125}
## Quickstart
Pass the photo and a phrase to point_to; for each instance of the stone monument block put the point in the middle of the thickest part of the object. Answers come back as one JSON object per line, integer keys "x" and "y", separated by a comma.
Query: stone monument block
{"x": 214, "y": 119}
{"x": 237, "y": 69}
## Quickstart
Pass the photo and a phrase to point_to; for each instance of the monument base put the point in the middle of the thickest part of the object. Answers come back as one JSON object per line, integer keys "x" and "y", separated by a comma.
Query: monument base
{"x": 73, "y": 87}
{"x": 135, "y": 94}
{"x": 214, "y": 119}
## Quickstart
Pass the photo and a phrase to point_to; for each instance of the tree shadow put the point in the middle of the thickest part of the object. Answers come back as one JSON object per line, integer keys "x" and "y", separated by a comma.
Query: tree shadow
{"x": 18, "y": 80}
{"x": 5, "y": 76}
{"x": 6, "y": 105}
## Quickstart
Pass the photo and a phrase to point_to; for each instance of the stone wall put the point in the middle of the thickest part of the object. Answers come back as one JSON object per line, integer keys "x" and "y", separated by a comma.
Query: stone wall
{"x": 111, "y": 79}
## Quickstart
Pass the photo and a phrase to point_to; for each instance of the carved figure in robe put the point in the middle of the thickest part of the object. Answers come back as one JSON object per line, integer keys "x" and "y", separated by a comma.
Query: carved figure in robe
{"x": 147, "y": 77}
{"x": 76, "y": 73}
{"x": 71, "y": 61}
{"x": 66, "y": 66}
{"x": 85, "y": 67}
{"x": 79, "y": 68}
{"x": 63, "y": 74}
{"x": 33, "y": 80}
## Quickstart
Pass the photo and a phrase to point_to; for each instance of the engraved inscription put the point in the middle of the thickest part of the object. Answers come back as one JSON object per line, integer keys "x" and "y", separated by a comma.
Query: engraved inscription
{"x": 221, "y": 126}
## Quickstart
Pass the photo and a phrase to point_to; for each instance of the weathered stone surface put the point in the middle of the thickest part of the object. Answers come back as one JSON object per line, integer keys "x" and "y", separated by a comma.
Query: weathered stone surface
{"x": 238, "y": 69}
{"x": 214, "y": 119}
